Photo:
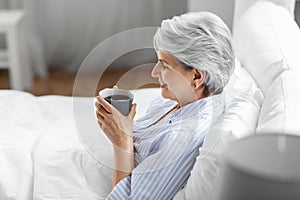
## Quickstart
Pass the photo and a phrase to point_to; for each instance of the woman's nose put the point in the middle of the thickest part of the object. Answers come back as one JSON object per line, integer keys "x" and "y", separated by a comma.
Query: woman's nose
{"x": 155, "y": 71}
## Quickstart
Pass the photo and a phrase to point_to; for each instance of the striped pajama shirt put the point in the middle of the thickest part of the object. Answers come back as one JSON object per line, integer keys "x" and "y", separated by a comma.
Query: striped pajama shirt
{"x": 166, "y": 151}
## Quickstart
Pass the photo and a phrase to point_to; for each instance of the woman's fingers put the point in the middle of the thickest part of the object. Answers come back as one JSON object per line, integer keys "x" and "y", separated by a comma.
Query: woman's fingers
{"x": 132, "y": 111}
{"x": 100, "y": 114}
{"x": 115, "y": 126}
{"x": 103, "y": 103}
{"x": 100, "y": 124}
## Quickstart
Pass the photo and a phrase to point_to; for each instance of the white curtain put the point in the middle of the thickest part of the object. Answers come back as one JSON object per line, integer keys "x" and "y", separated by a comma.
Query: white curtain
{"x": 64, "y": 31}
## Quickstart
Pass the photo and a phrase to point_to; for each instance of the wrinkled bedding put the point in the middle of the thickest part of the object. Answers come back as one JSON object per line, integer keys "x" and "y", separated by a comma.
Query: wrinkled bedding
{"x": 43, "y": 154}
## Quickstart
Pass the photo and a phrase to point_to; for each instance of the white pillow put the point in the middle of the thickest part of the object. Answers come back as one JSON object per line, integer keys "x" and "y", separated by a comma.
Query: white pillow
{"x": 267, "y": 42}
{"x": 243, "y": 101}
{"x": 281, "y": 108}
{"x": 241, "y": 6}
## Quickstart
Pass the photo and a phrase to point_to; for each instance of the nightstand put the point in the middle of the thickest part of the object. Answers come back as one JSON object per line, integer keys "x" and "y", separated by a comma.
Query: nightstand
{"x": 13, "y": 57}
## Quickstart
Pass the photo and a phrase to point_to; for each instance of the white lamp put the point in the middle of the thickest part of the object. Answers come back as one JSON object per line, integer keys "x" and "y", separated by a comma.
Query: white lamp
{"x": 262, "y": 167}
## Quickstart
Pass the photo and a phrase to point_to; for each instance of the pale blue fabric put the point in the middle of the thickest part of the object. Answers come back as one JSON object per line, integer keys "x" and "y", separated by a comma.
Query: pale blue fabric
{"x": 165, "y": 152}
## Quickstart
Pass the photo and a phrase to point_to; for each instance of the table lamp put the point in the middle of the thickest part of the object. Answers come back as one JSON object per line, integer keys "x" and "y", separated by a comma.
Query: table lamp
{"x": 261, "y": 167}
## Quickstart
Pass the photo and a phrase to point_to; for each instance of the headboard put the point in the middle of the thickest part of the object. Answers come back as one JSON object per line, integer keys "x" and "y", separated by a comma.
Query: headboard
{"x": 241, "y": 5}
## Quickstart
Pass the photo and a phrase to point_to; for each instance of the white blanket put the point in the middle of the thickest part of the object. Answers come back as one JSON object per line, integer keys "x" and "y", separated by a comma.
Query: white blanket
{"x": 43, "y": 150}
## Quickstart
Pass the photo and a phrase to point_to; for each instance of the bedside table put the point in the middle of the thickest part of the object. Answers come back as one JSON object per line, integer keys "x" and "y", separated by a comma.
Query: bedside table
{"x": 13, "y": 57}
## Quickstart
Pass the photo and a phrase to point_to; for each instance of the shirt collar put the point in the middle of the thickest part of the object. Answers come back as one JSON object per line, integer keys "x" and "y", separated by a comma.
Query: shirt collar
{"x": 199, "y": 108}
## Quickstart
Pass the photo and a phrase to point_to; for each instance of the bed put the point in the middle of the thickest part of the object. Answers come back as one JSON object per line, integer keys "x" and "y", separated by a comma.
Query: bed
{"x": 52, "y": 148}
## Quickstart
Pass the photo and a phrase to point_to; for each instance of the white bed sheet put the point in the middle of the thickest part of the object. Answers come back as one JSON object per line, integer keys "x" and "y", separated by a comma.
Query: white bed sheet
{"x": 22, "y": 126}
{"x": 41, "y": 155}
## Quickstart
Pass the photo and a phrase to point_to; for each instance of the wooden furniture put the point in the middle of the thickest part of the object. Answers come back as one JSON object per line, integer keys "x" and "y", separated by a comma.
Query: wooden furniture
{"x": 13, "y": 57}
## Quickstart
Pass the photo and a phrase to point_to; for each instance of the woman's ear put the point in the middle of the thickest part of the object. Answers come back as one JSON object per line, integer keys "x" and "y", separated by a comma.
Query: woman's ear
{"x": 198, "y": 78}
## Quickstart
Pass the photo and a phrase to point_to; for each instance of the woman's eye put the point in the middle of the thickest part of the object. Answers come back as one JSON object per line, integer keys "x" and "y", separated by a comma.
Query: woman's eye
{"x": 164, "y": 66}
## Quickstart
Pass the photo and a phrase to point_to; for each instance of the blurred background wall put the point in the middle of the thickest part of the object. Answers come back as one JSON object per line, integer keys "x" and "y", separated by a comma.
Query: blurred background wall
{"x": 223, "y": 8}
{"x": 67, "y": 30}
{"x": 63, "y": 32}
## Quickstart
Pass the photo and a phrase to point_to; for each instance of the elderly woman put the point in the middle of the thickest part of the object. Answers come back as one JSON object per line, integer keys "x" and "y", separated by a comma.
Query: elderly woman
{"x": 155, "y": 154}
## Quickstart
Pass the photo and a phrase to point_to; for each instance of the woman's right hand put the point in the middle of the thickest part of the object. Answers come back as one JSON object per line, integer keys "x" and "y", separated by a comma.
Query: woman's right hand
{"x": 117, "y": 127}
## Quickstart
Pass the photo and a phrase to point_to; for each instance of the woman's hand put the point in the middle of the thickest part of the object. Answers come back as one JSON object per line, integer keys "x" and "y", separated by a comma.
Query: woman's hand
{"x": 117, "y": 127}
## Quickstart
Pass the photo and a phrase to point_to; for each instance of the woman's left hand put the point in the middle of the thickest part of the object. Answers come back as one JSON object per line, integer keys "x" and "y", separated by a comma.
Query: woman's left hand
{"x": 117, "y": 127}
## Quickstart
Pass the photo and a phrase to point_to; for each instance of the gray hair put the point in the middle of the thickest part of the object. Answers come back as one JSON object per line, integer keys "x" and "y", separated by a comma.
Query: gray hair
{"x": 200, "y": 40}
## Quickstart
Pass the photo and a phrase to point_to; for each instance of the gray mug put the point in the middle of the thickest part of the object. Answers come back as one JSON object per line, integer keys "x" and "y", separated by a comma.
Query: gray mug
{"x": 119, "y": 98}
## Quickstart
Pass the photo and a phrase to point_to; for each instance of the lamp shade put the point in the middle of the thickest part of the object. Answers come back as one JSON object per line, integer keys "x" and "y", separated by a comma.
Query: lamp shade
{"x": 261, "y": 167}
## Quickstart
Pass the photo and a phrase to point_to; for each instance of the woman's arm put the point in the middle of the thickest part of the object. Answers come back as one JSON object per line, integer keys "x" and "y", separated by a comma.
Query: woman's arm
{"x": 155, "y": 177}
{"x": 165, "y": 171}
{"x": 123, "y": 163}
{"x": 118, "y": 129}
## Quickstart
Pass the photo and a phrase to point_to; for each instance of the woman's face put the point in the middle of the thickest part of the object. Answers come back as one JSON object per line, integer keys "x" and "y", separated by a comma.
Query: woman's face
{"x": 176, "y": 82}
